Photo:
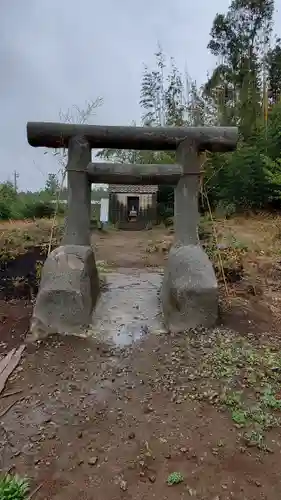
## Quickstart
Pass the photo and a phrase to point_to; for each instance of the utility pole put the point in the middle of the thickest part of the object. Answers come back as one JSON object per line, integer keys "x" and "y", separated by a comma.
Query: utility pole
{"x": 16, "y": 176}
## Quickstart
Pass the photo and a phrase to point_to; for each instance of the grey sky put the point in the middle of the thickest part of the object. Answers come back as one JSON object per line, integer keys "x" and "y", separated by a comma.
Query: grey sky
{"x": 53, "y": 55}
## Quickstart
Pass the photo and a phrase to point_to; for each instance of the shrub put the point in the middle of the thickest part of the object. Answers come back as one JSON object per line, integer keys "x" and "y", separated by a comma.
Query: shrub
{"x": 27, "y": 205}
{"x": 37, "y": 209}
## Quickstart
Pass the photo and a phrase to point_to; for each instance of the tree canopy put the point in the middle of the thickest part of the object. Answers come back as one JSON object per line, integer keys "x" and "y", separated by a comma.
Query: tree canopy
{"x": 243, "y": 90}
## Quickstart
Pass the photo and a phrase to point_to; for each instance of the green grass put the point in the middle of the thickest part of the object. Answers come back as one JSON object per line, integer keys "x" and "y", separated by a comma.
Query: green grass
{"x": 245, "y": 380}
{"x": 13, "y": 487}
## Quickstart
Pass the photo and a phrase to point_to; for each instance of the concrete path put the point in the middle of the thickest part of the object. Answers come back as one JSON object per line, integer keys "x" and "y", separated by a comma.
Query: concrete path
{"x": 128, "y": 307}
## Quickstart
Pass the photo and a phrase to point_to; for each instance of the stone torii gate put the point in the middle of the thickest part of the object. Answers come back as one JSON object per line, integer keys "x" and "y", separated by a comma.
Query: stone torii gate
{"x": 69, "y": 285}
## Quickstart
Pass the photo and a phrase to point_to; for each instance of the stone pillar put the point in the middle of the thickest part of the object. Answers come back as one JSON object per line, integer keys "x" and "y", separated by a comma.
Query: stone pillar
{"x": 69, "y": 285}
{"x": 189, "y": 292}
{"x": 78, "y": 218}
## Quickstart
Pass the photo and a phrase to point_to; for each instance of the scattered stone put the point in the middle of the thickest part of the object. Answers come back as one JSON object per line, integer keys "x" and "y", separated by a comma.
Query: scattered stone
{"x": 123, "y": 485}
{"x": 191, "y": 492}
{"x": 17, "y": 453}
{"x": 152, "y": 478}
{"x": 148, "y": 409}
{"x": 93, "y": 460}
{"x": 131, "y": 435}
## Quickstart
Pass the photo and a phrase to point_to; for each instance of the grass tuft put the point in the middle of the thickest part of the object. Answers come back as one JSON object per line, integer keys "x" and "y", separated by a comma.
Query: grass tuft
{"x": 13, "y": 487}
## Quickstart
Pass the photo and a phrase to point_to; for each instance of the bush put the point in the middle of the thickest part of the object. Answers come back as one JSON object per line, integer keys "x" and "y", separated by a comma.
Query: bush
{"x": 26, "y": 205}
{"x": 225, "y": 210}
{"x": 164, "y": 212}
{"x": 5, "y": 210}
{"x": 37, "y": 209}
{"x": 8, "y": 198}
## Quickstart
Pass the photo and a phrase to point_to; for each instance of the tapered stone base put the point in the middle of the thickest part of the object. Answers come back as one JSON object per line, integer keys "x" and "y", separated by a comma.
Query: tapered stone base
{"x": 189, "y": 292}
{"x": 68, "y": 292}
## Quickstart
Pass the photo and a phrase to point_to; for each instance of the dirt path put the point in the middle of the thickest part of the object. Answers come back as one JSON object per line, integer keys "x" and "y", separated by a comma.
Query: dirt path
{"x": 108, "y": 424}
{"x": 98, "y": 421}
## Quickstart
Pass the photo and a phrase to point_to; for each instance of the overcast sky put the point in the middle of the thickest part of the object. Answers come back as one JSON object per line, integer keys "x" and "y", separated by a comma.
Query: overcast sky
{"x": 56, "y": 53}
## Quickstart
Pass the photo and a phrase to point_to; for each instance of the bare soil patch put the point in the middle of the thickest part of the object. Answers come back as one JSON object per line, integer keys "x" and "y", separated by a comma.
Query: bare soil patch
{"x": 98, "y": 422}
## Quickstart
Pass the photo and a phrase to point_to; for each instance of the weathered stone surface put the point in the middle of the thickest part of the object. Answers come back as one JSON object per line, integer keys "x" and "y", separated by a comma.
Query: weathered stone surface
{"x": 58, "y": 135}
{"x": 189, "y": 293}
{"x": 78, "y": 215}
{"x": 137, "y": 174}
{"x": 68, "y": 292}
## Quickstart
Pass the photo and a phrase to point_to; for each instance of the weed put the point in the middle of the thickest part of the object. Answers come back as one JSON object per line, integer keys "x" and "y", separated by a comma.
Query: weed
{"x": 254, "y": 438}
{"x": 13, "y": 487}
{"x": 38, "y": 270}
{"x": 248, "y": 377}
{"x": 175, "y": 478}
{"x": 103, "y": 267}
{"x": 231, "y": 399}
{"x": 239, "y": 417}
{"x": 269, "y": 399}
{"x": 17, "y": 240}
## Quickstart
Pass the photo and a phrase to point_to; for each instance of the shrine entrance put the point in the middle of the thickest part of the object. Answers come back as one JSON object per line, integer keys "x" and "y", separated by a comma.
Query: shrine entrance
{"x": 133, "y": 206}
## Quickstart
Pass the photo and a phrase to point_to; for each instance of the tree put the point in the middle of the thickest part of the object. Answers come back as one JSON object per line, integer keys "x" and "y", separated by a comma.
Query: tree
{"x": 52, "y": 186}
{"x": 8, "y": 197}
{"x": 162, "y": 97}
{"x": 274, "y": 72}
{"x": 72, "y": 115}
{"x": 238, "y": 39}
{"x": 251, "y": 176}
{"x": 79, "y": 116}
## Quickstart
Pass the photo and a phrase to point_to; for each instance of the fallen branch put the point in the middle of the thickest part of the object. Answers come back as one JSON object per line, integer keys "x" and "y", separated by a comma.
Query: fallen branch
{"x": 10, "y": 406}
{"x": 33, "y": 493}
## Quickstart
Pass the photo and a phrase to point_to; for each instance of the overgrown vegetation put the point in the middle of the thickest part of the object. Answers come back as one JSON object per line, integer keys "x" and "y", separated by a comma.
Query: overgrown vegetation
{"x": 16, "y": 240}
{"x": 243, "y": 90}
